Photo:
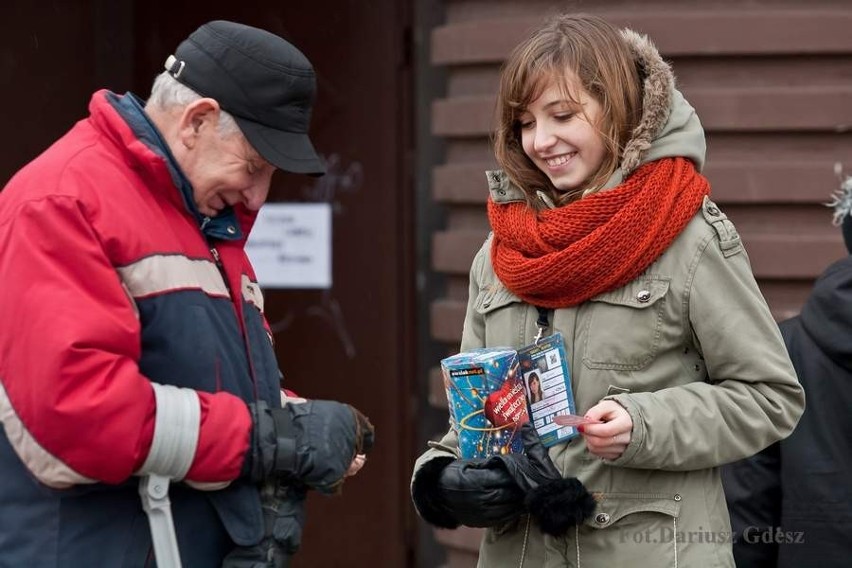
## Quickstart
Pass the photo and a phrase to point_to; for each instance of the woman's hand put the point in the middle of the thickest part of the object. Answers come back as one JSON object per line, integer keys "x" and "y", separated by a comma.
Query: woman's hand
{"x": 609, "y": 439}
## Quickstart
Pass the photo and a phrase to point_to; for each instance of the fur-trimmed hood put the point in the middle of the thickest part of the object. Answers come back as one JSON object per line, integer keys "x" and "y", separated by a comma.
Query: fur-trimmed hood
{"x": 669, "y": 126}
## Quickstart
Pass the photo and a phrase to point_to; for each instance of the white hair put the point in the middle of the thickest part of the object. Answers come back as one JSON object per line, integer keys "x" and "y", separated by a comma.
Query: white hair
{"x": 167, "y": 92}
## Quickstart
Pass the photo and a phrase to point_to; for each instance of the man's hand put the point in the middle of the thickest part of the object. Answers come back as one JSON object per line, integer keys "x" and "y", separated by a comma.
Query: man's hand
{"x": 315, "y": 442}
{"x": 356, "y": 465}
{"x": 283, "y": 519}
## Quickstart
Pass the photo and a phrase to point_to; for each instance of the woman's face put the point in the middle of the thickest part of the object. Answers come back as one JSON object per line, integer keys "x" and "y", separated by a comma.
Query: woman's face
{"x": 559, "y": 134}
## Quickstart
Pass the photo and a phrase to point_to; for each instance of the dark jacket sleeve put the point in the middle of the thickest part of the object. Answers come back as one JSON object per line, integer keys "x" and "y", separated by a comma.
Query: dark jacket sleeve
{"x": 753, "y": 490}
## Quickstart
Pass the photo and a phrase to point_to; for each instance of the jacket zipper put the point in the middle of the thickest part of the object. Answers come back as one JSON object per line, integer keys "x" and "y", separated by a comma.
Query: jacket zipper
{"x": 218, "y": 261}
{"x": 235, "y": 297}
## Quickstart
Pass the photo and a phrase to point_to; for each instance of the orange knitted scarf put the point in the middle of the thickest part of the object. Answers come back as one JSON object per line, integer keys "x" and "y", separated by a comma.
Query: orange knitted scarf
{"x": 562, "y": 257}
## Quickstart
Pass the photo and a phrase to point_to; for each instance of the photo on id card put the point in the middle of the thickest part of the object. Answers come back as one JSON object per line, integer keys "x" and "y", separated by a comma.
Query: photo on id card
{"x": 547, "y": 383}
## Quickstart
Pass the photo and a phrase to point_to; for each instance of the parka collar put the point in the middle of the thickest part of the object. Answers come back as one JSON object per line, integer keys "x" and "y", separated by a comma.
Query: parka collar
{"x": 229, "y": 225}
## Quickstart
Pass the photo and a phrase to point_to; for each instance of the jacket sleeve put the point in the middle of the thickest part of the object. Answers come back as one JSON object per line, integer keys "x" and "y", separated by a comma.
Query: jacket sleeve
{"x": 473, "y": 332}
{"x": 751, "y": 397}
{"x": 473, "y": 336}
{"x": 73, "y": 402}
{"x": 753, "y": 492}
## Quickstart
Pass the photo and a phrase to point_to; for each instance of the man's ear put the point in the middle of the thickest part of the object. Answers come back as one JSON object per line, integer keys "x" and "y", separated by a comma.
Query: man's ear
{"x": 195, "y": 118}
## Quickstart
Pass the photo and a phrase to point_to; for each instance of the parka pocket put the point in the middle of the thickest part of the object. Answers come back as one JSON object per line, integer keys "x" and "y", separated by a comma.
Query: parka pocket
{"x": 624, "y": 325}
{"x": 631, "y": 527}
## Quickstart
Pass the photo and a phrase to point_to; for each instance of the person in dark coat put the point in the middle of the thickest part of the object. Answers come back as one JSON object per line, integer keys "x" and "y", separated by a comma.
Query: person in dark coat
{"x": 791, "y": 505}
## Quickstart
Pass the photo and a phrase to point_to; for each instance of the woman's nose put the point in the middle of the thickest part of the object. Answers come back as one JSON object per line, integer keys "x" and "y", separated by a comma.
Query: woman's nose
{"x": 544, "y": 138}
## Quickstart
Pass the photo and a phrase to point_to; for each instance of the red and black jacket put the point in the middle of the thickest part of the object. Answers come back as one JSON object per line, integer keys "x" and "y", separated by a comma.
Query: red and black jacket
{"x": 111, "y": 282}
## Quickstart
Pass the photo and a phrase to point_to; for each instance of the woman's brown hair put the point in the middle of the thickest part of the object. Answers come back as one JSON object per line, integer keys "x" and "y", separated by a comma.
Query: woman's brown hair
{"x": 596, "y": 53}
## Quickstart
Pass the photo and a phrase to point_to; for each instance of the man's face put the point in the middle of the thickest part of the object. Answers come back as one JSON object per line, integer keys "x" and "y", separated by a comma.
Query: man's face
{"x": 225, "y": 170}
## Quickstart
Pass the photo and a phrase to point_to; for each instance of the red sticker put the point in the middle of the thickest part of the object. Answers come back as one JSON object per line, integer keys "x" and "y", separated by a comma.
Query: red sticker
{"x": 507, "y": 405}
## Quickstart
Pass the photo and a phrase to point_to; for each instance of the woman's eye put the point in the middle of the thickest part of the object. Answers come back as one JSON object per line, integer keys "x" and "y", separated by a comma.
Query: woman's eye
{"x": 564, "y": 117}
{"x": 526, "y": 124}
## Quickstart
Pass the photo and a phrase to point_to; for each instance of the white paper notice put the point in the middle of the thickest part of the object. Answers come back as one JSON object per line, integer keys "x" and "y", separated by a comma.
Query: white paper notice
{"x": 290, "y": 245}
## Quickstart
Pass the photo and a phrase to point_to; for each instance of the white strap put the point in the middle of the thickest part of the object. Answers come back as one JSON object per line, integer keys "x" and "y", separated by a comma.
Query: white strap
{"x": 154, "y": 491}
{"x": 176, "y": 428}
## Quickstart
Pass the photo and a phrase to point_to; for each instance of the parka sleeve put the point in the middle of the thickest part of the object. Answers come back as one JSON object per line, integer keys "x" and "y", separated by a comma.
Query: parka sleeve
{"x": 473, "y": 332}
{"x": 473, "y": 336}
{"x": 73, "y": 402}
{"x": 751, "y": 397}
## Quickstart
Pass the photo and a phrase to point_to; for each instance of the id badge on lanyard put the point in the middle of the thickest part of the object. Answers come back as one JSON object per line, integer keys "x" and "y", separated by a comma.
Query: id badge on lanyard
{"x": 547, "y": 381}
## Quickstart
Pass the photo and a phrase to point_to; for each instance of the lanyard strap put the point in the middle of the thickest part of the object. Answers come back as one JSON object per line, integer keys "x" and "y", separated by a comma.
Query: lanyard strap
{"x": 543, "y": 322}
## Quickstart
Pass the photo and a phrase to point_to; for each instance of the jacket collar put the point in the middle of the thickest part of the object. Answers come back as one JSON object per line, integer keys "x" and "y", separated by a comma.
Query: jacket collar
{"x": 226, "y": 225}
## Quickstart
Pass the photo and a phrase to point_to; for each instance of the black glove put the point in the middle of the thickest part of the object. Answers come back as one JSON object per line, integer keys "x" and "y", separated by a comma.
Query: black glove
{"x": 449, "y": 492}
{"x": 311, "y": 442}
{"x": 557, "y": 503}
{"x": 493, "y": 491}
{"x": 283, "y": 519}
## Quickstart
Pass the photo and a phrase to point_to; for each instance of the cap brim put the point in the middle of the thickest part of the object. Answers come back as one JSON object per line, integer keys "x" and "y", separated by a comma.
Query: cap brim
{"x": 288, "y": 151}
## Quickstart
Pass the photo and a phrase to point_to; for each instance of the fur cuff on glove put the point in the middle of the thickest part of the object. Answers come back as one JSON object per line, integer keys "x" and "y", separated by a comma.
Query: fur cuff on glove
{"x": 560, "y": 504}
{"x": 427, "y": 497}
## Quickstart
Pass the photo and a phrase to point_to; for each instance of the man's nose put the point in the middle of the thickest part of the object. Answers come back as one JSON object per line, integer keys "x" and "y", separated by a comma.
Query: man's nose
{"x": 255, "y": 196}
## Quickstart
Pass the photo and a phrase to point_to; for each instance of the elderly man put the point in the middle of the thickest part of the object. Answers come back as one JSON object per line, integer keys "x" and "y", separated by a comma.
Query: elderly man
{"x": 132, "y": 335}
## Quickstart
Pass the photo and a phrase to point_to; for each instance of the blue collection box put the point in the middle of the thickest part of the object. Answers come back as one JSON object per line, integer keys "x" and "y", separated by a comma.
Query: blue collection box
{"x": 486, "y": 400}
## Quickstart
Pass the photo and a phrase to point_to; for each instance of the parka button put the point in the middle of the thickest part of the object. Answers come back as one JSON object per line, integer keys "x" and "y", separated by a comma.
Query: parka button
{"x": 713, "y": 210}
{"x": 643, "y": 296}
{"x": 677, "y": 497}
{"x": 231, "y": 229}
{"x": 501, "y": 191}
{"x": 602, "y": 518}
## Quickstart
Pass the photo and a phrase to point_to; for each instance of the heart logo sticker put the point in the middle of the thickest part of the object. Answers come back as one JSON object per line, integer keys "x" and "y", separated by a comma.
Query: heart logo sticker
{"x": 507, "y": 405}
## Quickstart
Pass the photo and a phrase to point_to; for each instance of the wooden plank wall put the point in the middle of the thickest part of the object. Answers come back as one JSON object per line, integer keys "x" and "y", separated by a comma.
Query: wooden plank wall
{"x": 772, "y": 83}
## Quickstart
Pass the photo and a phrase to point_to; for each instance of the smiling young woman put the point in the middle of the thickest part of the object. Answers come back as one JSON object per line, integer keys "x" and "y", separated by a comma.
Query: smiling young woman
{"x": 603, "y": 227}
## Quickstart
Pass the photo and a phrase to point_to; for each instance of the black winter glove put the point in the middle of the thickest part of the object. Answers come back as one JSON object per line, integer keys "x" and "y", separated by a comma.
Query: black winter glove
{"x": 493, "y": 491}
{"x": 283, "y": 519}
{"x": 557, "y": 503}
{"x": 311, "y": 442}
{"x": 449, "y": 492}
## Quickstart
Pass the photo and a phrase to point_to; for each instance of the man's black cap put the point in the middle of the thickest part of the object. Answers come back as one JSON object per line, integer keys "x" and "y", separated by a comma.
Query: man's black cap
{"x": 262, "y": 80}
